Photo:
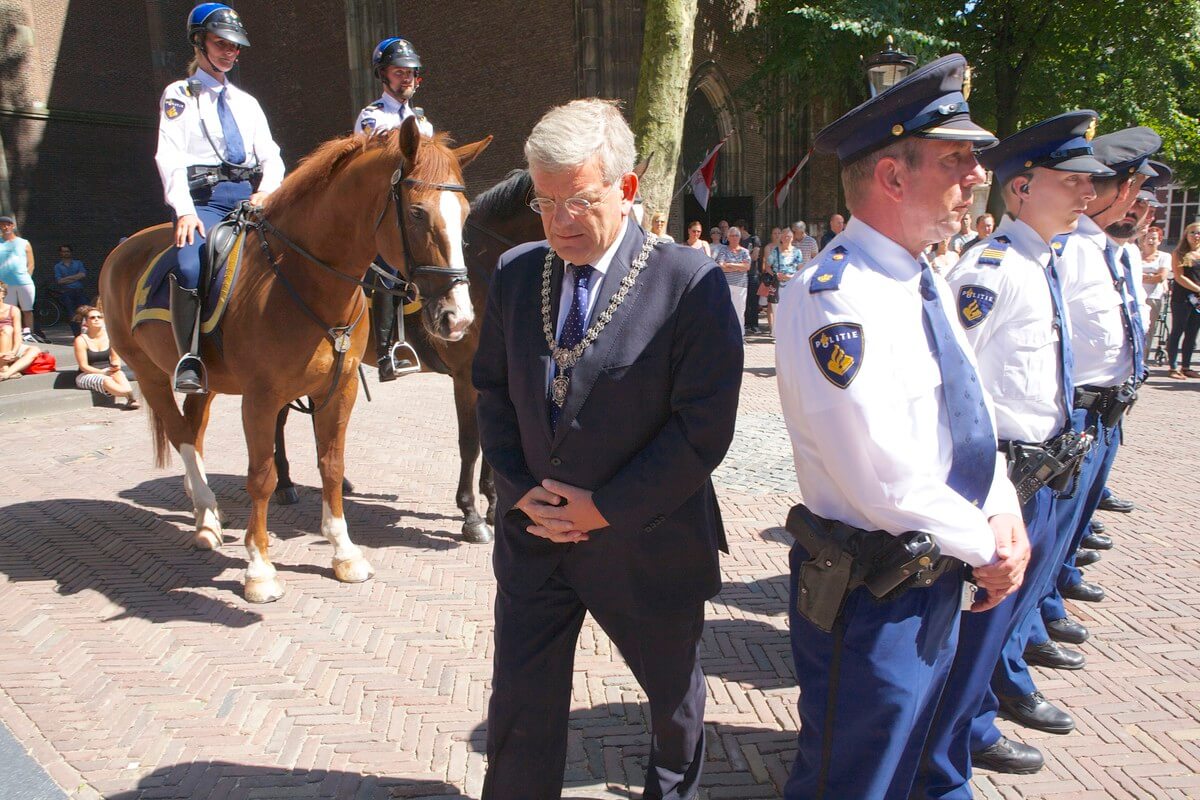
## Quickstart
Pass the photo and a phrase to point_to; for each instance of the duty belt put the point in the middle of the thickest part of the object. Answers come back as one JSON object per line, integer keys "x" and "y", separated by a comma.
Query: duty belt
{"x": 204, "y": 176}
{"x": 1109, "y": 402}
{"x": 1055, "y": 462}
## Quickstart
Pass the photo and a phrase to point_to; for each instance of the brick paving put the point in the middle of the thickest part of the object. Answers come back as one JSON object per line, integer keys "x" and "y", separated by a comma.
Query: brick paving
{"x": 131, "y": 667}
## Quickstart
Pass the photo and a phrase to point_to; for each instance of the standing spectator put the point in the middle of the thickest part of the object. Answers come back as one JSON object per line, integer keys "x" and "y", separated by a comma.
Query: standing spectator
{"x": 16, "y": 269}
{"x": 944, "y": 257}
{"x": 754, "y": 245}
{"x": 807, "y": 244}
{"x": 837, "y": 224}
{"x": 724, "y": 226}
{"x": 958, "y": 240}
{"x": 734, "y": 261}
{"x": 1156, "y": 271}
{"x": 99, "y": 365}
{"x": 1185, "y": 318}
{"x": 15, "y": 354}
{"x": 984, "y": 225}
{"x": 694, "y": 232}
{"x": 69, "y": 274}
{"x": 784, "y": 262}
{"x": 714, "y": 239}
{"x": 658, "y": 226}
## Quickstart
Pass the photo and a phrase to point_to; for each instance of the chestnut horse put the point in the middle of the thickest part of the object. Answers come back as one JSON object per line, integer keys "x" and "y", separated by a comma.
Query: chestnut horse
{"x": 291, "y": 326}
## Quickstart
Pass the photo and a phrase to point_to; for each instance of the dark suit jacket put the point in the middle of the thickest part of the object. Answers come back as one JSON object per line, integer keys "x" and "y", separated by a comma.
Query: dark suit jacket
{"x": 649, "y": 416}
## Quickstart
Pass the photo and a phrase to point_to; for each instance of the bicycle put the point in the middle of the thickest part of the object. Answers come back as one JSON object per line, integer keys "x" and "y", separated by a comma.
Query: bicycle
{"x": 49, "y": 309}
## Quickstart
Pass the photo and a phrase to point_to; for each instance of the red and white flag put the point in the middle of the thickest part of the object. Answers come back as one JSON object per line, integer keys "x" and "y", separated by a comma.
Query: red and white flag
{"x": 702, "y": 178}
{"x": 781, "y": 188}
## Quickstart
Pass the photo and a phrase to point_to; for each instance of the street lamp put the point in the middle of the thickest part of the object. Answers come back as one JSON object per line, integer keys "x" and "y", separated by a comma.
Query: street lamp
{"x": 888, "y": 67}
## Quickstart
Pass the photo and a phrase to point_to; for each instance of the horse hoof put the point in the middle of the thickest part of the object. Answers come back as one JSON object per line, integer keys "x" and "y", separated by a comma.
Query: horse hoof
{"x": 477, "y": 532}
{"x": 264, "y": 590}
{"x": 347, "y": 487}
{"x": 353, "y": 570}
{"x": 207, "y": 539}
{"x": 287, "y": 496}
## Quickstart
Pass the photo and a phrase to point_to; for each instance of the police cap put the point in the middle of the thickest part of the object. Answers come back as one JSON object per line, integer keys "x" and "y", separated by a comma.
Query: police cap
{"x": 1062, "y": 143}
{"x": 1126, "y": 151}
{"x": 1161, "y": 180}
{"x": 931, "y": 103}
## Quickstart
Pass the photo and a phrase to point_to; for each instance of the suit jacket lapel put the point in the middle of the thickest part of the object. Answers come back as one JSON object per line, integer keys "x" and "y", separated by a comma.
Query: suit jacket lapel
{"x": 542, "y": 364}
{"x": 588, "y": 368}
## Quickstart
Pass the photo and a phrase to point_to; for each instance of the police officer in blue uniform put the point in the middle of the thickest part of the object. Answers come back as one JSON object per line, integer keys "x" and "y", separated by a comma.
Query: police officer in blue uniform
{"x": 1009, "y": 302}
{"x": 895, "y": 448}
{"x": 398, "y": 67}
{"x": 214, "y": 151}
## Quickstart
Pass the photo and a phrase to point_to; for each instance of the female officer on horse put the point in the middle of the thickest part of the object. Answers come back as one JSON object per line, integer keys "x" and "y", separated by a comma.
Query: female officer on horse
{"x": 214, "y": 151}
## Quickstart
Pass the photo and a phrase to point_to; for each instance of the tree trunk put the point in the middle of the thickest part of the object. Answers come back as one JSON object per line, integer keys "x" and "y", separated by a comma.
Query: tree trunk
{"x": 662, "y": 95}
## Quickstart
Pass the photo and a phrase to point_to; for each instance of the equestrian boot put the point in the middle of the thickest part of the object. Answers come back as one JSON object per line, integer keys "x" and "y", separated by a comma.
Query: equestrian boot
{"x": 190, "y": 377}
{"x": 383, "y": 317}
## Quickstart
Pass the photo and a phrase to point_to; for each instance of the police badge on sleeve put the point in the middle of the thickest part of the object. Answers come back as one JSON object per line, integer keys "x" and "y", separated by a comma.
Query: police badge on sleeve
{"x": 172, "y": 107}
{"x": 838, "y": 350}
{"x": 974, "y": 304}
{"x": 368, "y": 125}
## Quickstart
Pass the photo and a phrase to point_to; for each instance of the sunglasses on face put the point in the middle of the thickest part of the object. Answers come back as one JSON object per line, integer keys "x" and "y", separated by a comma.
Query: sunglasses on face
{"x": 95, "y": 316}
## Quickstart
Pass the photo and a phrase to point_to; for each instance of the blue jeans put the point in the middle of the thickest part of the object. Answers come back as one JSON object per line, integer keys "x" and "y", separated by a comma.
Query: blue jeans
{"x": 211, "y": 207}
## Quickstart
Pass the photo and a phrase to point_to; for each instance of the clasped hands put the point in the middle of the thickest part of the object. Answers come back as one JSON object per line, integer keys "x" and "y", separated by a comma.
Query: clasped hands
{"x": 1003, "y": 576}
{"x": 560, "y": 512}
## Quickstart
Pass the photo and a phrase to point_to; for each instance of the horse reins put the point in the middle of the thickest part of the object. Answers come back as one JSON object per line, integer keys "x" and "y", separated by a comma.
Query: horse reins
{"x": 340, "y": 335}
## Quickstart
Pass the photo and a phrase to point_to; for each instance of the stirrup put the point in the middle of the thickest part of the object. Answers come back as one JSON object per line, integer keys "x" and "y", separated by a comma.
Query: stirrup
{"x": 401, "y": 352}
{"x": 194, "y": 362}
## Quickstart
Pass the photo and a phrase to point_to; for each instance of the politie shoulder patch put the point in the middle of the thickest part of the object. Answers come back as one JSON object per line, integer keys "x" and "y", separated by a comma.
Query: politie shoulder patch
{"x": 838, "y": 349}
{"x": 974, "y": 304}
{"x": 172, "y": 107}
{"x": 368, "y": 124}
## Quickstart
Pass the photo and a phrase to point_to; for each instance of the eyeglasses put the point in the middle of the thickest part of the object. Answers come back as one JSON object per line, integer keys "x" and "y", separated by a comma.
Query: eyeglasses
{"x": 95, "y": 316}
{"x": 1193, "y": 233}
{"x": 576, "y": 206}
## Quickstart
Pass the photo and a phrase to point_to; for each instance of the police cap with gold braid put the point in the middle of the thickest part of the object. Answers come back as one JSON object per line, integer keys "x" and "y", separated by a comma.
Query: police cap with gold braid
{"x": 1062, "y": 142}
{"x": 931, "y": 103}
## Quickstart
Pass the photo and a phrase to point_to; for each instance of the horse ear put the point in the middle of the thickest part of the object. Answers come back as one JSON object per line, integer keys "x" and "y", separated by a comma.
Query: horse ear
{"x": 410, "y": 139}
{"x": 469, "y": 152}
{"x": 643, "y": 165}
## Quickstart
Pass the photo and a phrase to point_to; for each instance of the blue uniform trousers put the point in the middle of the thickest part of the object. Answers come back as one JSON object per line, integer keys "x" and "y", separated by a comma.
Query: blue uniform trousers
{"x": 868, "y": 689}
{"x": 963, "y": 724}
{"x": 212, "y": 206}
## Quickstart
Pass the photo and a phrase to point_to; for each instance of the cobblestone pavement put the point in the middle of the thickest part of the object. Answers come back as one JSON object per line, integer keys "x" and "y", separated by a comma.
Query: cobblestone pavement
{"x": 131, "y": 667}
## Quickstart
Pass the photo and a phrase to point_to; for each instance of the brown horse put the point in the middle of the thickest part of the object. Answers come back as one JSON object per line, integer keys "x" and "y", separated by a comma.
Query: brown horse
{"x": 291, "y": 325}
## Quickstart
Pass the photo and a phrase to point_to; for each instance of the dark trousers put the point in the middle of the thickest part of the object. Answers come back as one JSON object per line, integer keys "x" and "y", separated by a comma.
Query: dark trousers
{"x": 751, "y": 316}
{"x": 212, "y": 206}
{"x": 533, "y": 666}
{"x": 1185, "y": 324}
{"x": 869, "y": 689}
{"x": 73, "y": 299}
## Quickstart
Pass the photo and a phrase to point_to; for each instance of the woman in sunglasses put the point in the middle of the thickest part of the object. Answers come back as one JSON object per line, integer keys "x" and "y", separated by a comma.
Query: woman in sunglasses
{"x": 99, "y": 365}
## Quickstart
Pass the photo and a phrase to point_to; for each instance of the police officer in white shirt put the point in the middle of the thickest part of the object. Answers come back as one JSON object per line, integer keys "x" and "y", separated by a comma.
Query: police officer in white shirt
{"x": 1010, "y": 304}
{"x": 398, "y": 67}
{"x": 214, "y": 151}
{"x": 894, "y": 445}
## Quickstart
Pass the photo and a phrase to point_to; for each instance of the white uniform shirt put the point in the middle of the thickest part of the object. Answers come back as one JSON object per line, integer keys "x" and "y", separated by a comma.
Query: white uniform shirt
{"x": 182, "y": 143}
{"x": 876, "y": 454}
{"x": 1011, "y": 326}
{"x": 386, "y": 113}
{"x": 1098, "y": 339}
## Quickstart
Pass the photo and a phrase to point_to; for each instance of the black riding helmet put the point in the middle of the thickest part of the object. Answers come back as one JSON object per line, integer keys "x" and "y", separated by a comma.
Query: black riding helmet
{"x": 218, "y": 19}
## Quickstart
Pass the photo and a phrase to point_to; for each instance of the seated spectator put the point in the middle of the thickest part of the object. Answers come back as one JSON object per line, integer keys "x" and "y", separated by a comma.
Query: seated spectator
{"x": 15, "y": 353}
{"x": 807, "y": 244}
{"x": 695, "y": 231}
{"x": 99, "y": 365}
{"x": 658, "y": 226}
{"x": 69, "y": 274}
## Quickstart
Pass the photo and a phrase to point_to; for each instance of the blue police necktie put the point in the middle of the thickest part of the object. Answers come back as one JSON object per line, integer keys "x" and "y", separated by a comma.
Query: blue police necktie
{"x": 573, "y": 328}
{"x": 972, "y": 439}
{"x": 1130, "y": 318}
{"x": 235, "y": 148}
{"x": 1135, "y": 316}
{"x": 1066, "y": 357}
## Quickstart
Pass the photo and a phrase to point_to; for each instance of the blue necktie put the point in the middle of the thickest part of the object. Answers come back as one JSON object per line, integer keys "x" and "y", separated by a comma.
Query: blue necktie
{"x": 972, "y": 439}
{"x": 235, "y": 148}
{"x": 1066, "y": 357}
{"x": 1131, "y": 319}
{"x": 573, "y": 327}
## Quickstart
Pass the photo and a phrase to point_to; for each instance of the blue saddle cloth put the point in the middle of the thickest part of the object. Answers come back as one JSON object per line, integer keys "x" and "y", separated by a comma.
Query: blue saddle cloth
{"x": 152, "y": 298}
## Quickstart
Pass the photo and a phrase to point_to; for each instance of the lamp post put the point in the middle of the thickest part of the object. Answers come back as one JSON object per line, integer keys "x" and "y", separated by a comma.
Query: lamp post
{"x": 888, "y": 67}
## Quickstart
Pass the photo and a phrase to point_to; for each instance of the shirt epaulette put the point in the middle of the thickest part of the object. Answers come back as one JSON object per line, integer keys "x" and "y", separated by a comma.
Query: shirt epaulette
{"x": 828, "y": 274}
{"x": 376, "y": 104}
{"x": 993, "y": 251}
{"x": 420, "y": 112}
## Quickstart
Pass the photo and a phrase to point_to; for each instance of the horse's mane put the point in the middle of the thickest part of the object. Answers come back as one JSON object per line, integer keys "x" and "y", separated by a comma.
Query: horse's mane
{"x": 507, "y": 198}
{"x": 435, "y": 163}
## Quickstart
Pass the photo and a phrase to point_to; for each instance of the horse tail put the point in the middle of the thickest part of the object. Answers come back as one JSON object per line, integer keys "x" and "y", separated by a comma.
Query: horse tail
{"x": 162, "y": 443}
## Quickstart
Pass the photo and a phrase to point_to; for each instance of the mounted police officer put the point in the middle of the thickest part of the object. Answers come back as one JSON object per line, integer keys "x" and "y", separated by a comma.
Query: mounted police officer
{"x": 398, "y": 67}
{"x": 214, "y": 151}
{"x": 895, "y": 448}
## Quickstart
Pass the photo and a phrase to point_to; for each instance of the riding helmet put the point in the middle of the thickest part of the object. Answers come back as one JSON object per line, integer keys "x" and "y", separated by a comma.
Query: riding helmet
{"x": 395, "y": 52}
{"x": 219, "y": 19}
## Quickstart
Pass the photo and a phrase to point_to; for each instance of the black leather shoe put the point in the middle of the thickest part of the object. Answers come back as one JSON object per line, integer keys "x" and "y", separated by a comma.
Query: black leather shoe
{"x": 1053, "y": 656}
{"x": 1097, "y": 541}
{"x": 1084, "y": 592}
{"x": 1035, "y": 711}
{"x": 1085, "y": 557}
{"x": 1067, "y": 630}
{"x": 1114, "y": 503}
{"x": 1009, "y": 757}
{"x": 1098, "y": 526}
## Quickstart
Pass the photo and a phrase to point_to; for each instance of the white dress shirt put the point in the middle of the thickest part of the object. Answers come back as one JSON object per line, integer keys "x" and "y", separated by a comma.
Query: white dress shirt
{"x": 182, "y": 143}
{"x": 1098, "y": 339}
{"x": 876, "y": 454}
{"x": 1016, "y": 341}
{"x": 386, "y": 113}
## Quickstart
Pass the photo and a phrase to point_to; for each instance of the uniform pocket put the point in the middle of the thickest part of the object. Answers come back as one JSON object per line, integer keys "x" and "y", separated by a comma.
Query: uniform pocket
{"x": 1026, "y": 370}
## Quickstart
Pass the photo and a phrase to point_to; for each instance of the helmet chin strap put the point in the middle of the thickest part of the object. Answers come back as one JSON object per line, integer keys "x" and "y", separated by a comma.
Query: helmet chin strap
{"x": 203, "y": 48}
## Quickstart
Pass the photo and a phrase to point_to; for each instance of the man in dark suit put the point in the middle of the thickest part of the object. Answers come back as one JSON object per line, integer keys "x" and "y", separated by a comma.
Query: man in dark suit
{"x": 602, "y": 454}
